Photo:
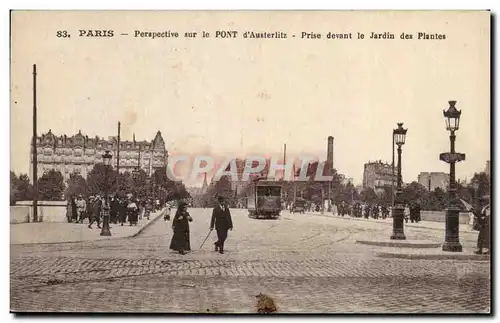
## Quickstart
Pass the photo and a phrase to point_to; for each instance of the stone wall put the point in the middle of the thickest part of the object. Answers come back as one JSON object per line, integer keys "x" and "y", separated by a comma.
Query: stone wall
{"x": 439, "y": 216}
{"x": 48, "y": 211}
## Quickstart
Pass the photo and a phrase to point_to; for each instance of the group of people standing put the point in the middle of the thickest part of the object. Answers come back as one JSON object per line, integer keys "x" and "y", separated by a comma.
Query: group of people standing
{"x": 359, "y": 210}
{"x": 121, "y": 209}
{"x": 221, "y": 221}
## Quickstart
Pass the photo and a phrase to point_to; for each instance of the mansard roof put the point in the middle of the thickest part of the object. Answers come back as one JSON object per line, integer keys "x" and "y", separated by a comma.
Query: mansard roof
{"x": 158, "y": 142}
{"x": 48, "y": 139}
{"x": 84, "y": 141}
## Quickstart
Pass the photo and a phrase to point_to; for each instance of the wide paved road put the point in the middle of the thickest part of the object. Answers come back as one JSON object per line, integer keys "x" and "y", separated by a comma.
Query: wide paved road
{"x": 306, "y": 263}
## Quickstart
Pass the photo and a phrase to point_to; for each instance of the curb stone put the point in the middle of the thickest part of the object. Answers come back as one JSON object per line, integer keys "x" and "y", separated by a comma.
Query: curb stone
{"x": 433, "y": 257}
{"x": 400, "y": 244}
{"x": 148, "y": 224}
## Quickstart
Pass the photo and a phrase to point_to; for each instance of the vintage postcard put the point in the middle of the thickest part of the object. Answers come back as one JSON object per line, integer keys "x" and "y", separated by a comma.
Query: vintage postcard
{"x": 239, "y": 162}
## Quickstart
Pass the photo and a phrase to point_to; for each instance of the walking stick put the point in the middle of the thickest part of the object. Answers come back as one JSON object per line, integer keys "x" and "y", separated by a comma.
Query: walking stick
{"x": 208, "y": 235}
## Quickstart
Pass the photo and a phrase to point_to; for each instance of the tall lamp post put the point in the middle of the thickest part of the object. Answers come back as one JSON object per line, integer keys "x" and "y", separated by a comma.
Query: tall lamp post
{"x": 452, "y": 237}
{"x": 105, "y": 219}
{"x": 398, "y": 210}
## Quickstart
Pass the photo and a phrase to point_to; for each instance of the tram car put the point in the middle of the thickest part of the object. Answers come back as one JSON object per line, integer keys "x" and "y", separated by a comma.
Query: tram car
{"x": 264, "y": 199}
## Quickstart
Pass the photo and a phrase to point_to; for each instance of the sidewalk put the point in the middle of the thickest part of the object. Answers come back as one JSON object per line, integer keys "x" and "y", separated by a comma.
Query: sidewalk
{"x": 39, "y": 233}
{"x": 422, "y": 224}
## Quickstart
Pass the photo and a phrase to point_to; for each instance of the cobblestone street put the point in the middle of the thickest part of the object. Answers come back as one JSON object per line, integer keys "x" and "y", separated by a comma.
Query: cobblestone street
{"x": 306, "y": 263}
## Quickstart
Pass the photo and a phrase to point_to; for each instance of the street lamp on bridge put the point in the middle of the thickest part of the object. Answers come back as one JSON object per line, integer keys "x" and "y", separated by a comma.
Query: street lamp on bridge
{"x": 399, "y": 136}
{"x": 105, "y": 225}
{"x": 452, "y": 237}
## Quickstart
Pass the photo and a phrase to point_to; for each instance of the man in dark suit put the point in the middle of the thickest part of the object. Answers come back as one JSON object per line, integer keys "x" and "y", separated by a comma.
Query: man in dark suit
{"x": 221, "y": 219}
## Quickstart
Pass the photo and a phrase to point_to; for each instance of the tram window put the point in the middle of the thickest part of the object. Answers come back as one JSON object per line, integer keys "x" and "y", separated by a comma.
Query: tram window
{"x": 268, "y": 191}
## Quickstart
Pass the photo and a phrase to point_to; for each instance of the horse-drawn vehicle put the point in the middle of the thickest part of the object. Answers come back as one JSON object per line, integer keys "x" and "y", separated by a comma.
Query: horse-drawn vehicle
{"x": 264, "y": 199}
{"x": 299, "y": 206}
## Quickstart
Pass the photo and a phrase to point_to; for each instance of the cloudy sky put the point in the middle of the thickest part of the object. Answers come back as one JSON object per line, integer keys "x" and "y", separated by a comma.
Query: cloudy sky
{"x": 234, "y": 97}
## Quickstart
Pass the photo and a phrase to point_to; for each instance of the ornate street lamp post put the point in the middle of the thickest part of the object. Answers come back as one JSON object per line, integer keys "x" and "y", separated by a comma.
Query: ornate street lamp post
{"x": 452, "y": 241}
{"x": 398, "y": 210}
{"x": 105, "y": 225}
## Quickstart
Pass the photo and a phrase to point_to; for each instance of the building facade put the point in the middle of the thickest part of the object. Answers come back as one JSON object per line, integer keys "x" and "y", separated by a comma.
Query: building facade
{"x": 377, "y": 175}
{"x": 433, "y": 180}
{"x": 79, "y": 154}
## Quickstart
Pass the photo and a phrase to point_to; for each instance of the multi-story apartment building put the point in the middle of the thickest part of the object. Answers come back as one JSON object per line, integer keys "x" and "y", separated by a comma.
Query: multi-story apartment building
{"x": 433, "y": 180}
{"x": 79, "y": 153}
{"x": 377, "y": 175}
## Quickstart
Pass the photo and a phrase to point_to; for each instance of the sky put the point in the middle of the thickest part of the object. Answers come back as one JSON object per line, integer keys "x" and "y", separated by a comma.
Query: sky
{"x": 235, "y": 97}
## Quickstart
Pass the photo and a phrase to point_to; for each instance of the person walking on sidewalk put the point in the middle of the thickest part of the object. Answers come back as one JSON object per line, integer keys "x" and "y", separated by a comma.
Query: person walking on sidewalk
{"x": 180, "y": 225}
{"x": 81, "y": 206}
{"x": 132, "y": 212}
{"x": 122, "y": 210}
{"x": 96, "y": 212}
{"x": 221, "y": 219}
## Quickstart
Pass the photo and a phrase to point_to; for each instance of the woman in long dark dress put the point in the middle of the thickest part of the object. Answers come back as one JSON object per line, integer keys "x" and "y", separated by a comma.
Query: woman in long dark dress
{"x": 483, "y": 224}
{"x": 180, "y": 225}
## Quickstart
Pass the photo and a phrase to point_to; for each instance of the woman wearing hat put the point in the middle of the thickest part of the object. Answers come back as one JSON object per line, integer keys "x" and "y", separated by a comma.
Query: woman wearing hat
{"x": 483, "y": 225}
{"x": 180, "y": 225}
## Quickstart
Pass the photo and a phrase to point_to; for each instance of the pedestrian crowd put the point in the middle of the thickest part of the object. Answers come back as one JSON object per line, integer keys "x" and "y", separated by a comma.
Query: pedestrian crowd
{"x": 367, "y": 210}
{"x": 121, "y": 209}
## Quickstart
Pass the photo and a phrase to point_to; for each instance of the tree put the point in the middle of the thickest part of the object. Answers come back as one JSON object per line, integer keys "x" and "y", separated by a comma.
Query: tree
{"x": 124, "y": 184}
{"x": 436, "y": 200}
{"x": 314, "y": 190}
{"x": 51, "y": 186}
{"x": 414, "y": 192}
{"x": 96, "y": 180}
{"x": 484, "y": 184}
{"x": 386, "y": 196}
{"x": 140, "y": 188}
{"x": 180, "y": 191}
{"x": 160, "y": 177}
{"x": 223, "y": 187}
{"x": 76, "y": 185}
{"x": 368, "y": 195}
{"x": 13, "y": 188}
{"x": 207, "y": 199}
{"x": 20, "y": 188}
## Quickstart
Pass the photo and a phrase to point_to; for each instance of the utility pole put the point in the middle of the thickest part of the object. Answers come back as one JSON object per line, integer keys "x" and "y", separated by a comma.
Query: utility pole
{"x": 392, "y": 186}
{"x": 294, "y": 185}
{"x": 118, "y": 152}
{"x": 139, "y": 159}
{"x": 284, "y": 161}
{"x": 35, "y": 152}
{"x": 150, "y": 163}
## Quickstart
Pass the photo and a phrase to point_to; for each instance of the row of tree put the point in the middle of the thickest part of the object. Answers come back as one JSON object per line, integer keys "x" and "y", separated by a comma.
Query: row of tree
{"x": 51, "y": 185}
{"x": 338, "y": 190}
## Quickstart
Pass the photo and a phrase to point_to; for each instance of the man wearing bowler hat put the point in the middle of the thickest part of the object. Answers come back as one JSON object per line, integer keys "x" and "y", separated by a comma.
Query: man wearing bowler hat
{"x": 221, "y": 219}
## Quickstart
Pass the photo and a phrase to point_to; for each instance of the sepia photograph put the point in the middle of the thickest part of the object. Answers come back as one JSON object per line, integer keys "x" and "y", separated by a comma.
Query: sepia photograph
{"x": 250, "y": 162}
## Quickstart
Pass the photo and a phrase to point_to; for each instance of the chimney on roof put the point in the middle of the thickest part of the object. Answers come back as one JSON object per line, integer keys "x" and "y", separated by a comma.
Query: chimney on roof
{"x": 329, "y": 155}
